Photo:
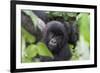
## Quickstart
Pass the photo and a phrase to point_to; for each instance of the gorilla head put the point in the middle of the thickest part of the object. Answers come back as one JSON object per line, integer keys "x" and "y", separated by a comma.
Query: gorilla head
{"x": 55, "y": 36}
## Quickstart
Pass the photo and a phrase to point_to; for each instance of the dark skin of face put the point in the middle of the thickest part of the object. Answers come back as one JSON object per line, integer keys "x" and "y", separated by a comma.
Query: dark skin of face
{"x": 54, "y": 40}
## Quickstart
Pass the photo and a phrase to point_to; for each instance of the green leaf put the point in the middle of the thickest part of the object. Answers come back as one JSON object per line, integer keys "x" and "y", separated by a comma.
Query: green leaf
{"x": 31, "y": 51}
{"x": 26, "y": 59}
{"x": 43, "y": 50}
{"x": 84, "y": 23}
{"x": 28, "y": 37}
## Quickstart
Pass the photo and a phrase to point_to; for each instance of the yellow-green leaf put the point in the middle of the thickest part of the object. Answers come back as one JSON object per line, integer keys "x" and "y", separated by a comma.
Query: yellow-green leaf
{"x": 28, "y": 37}
{"x": 43, "y": 50}
{"x": 31, "y": 51}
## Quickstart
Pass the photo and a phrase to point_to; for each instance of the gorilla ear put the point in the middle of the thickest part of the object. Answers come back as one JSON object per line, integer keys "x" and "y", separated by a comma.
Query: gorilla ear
{"x": 73, "y": 33}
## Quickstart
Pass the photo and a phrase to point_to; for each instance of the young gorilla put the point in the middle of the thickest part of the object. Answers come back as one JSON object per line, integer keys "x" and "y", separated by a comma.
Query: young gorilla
{"x": 56, "y": 38}
{"x": 57, "y": 35}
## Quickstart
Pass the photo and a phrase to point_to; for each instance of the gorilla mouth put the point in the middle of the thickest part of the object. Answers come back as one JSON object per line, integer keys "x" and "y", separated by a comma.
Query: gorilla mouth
{"x": 53, "y": 42}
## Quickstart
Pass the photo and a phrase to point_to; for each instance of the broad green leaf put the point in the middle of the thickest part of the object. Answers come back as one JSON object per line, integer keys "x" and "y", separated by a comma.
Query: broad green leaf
{"x": 28, "y": 37}
{"x": 43, "y": 50}
{"x": 31, "y": 51}
{"x": 26, "y": 59}
{"x": 84, "y": 23}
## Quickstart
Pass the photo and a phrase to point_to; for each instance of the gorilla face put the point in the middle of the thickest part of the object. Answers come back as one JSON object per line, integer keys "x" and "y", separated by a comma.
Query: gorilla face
{"x": 54, "y": 40}
{"x": 56, "y": 36}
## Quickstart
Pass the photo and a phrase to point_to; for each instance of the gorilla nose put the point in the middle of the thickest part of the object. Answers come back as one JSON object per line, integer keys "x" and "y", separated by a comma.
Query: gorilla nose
{"x": 53, "y": 42}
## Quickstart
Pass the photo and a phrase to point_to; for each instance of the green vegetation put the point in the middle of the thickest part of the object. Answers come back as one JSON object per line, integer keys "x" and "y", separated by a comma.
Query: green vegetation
{"x": 33, "y": 49}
